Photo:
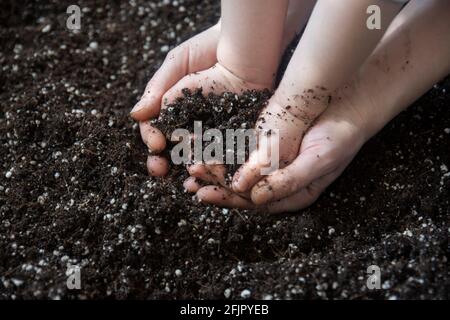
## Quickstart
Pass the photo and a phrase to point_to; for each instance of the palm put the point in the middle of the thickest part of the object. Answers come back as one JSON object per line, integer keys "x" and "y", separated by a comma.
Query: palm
{"x": 334, "y": 144}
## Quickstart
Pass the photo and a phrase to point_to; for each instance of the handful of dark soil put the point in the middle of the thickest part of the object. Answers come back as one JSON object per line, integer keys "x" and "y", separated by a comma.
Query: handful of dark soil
{"x": 222, "y": 112}
{"x": 225, "y": 111}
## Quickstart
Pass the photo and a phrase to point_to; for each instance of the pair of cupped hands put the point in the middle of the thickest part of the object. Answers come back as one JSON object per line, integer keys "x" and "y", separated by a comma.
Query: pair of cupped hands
{"x": 312, "y": 153}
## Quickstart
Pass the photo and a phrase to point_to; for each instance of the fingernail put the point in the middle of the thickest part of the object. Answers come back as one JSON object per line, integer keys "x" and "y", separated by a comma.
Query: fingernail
{"x": 138, "y": 106}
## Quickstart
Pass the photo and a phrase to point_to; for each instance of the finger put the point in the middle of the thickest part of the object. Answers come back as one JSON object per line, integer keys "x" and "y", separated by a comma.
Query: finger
{"x": 306, "y": 196}
{"x": 248, "y": 174}
{"x": 279, "y": 140}
{"x": 295, "y": 202}
{"x": 157, "y": 166}
{"x": 223, "y": 197}
{"x": 152, "y": 137}
{"x": 269, "y": 157}
{"x": 191, "y": 185}
{"x": 214, "y": 174}
{"x": 307, "y": 167}
{"x": 194, "y": 55}
{"x": 172, "y": 70}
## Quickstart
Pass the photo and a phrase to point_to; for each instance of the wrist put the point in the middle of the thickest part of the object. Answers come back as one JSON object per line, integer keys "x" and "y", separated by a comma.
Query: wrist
{"x": 251, "y": 38}
{"x": 247, "y": 67}
{"x": 352, "y": 106}
{"x": 375, "y": 110}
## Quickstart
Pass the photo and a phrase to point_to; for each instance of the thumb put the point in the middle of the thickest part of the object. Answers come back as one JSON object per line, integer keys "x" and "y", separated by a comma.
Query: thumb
{"x": 197, "y": 53}
{"x": 167, "y": 75}
{"x": 307, "y": 167}
{"x": 278, "y": 128}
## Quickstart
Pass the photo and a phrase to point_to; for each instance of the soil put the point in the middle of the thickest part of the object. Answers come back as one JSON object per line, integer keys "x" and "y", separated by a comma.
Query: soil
{"x": 74, "y": 188}
{"x": 222, "y": 112}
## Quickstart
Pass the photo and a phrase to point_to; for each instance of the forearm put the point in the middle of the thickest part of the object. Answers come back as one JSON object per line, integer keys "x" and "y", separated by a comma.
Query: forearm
{"x": 297, "y": 16}
{"x": 252, "y": 37}
{"x": 335, "y": 43}
{"x": 413, "y": 57}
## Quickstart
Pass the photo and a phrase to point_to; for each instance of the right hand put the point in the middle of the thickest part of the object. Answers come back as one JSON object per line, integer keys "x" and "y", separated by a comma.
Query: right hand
{"x": 326, "y": 150}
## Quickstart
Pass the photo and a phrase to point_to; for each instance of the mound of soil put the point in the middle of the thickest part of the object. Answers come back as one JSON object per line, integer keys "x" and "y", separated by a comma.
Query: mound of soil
{"x": 74, "y": 188}
{"x": 226, "y": 111}
{"x": 221, "y": 112}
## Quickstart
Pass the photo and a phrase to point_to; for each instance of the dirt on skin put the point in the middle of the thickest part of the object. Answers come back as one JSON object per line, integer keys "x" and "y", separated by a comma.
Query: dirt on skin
{"x": 74, "y": 188}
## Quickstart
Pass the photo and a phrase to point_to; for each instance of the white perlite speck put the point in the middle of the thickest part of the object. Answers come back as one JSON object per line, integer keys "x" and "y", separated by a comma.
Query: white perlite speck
{"x": 182, "y": 222}
{"x": 17, "y": 282}
{"x": 47, "y": 28}
{"x": 93, "y": 45}
{"x": 8, "y": 174}
{"x": 178, "y": 273}
{"x": 227, "y": 293}
{"x": 245, "y": 294}
{"x": 407, "y": 233}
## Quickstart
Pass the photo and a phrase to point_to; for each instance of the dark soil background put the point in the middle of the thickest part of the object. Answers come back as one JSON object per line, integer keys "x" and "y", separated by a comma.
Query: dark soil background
{"x": 74, "y": 187}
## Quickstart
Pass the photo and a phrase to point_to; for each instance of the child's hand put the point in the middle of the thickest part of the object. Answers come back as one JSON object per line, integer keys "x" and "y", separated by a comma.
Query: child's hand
{"x": 323, "y": 61}
{"x": 327, "y": 148}
{"x": 216, "y": 79}
{"x": 317, "y": 69}
{"x": 361, "y": 110}
{"x": 191, "y": 64}
{"x": 195, "y": 54}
